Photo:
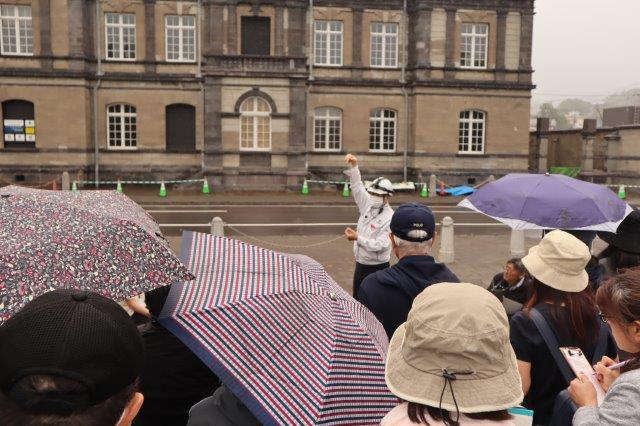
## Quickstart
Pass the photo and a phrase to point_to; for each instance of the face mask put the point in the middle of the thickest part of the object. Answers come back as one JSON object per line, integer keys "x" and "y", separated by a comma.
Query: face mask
{"x": 376, "y": 201}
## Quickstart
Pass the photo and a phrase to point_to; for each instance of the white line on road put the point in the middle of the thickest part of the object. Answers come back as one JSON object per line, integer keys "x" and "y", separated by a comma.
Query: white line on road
{"x": 285, "y": 225}
{"x": 313, "y": 206}
{"x": 186, "y": 211}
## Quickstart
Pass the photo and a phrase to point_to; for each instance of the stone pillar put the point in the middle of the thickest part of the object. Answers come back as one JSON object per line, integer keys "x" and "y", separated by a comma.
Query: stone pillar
{"x": 66, "y": 183}
{"x": 542, "y": 142}
{"x": 89, "y": 17}
{"x": 588, "y": 142}
{"x": 279, "y": 35}
{"x": 356, "y": 41}
{"x": 232, "y": 29}
{"x": 46, "y": 62}
{"x": 297, "y": 31}
{"x": 297, "y": 142}
{"x": 450, "y": 47}
{"x": 501, "y": 44}
{"x": 77, "y": 31}
{"x": 612, "y": 148}
{"x": 150, "y": 35}
{"x": 420, "y": 37}
{"x": 526, "y": 41}
{"x": 213, "y": 36}
{"x": 217, "y": 227}
{"x": 516, "y": 246}
{"x": 212, "y": 158}
{"x": 433, "y": 182}
{"x": 447, "y": 252}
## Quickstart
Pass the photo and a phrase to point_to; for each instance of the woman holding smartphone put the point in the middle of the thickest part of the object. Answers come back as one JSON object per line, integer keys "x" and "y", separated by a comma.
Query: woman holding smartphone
{"x": 619, "y": 303}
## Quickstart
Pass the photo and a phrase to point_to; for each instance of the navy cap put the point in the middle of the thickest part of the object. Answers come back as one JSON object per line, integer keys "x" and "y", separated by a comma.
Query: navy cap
{"x": 412, "y": 217}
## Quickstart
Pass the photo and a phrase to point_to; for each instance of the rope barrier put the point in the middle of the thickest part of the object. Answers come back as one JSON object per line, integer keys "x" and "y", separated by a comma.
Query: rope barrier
{"x": 286, "y": 246}
{"x": 42, "y": 185}
{"x": 137, "y": 182}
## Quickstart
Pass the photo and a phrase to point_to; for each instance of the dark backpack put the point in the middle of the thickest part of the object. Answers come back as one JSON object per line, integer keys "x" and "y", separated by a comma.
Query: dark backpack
{"x": 563, "y": 406}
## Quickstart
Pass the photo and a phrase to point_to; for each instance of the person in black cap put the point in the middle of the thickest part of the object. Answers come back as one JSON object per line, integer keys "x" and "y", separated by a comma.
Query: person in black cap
{"x": 70, "y": 358}
{"x": 389, "y": 293}
{"x": 623, "y": 251}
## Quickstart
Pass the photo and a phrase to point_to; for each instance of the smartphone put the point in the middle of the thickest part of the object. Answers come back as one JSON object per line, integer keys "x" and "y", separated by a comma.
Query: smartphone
{"x": 579, "y": 364}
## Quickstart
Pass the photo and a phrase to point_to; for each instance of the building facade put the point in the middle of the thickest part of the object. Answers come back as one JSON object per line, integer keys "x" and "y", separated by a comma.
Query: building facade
{"x": 264, "y": 93}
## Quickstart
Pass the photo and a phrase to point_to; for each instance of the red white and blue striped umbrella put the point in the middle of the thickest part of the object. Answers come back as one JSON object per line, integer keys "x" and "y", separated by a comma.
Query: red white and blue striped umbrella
{"x": 280, "y": 333}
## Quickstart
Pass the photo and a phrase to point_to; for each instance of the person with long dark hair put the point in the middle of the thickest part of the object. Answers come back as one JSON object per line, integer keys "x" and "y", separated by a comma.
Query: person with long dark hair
{"x": 561, "y": 295}
{"x": 451, "y": 362}
{"x": 619, "y": 301}
{"x": 623, "y": 250}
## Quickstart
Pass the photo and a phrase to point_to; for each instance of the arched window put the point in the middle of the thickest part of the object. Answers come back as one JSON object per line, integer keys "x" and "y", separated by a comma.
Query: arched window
{"x": 180, "y": 122}
{"x": 255, "y": 124}
{"x": 471, "y": 132}
{"x": 382, "y": 130}
{"x": 327, "y": 129}
{"x": 18, "y": 123}
{"x": 122, "y": 127}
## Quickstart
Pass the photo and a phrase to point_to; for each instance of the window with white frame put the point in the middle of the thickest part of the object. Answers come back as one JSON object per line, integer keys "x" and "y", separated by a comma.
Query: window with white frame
{"x": 328, "y": 43}
{"x": 384, "y": 45}
{"x": 121, "y": 126}
{"x": 255, "y": 124}
{"x": 327, "y": 129}
{"x": 471, "y": 132}
{"x": 473, "y": 48}
{"x": 121, "y": 36}
{"x": 382, "y": 130}
{"x": 16, "y": 30}
{"x": 180, "y": 38}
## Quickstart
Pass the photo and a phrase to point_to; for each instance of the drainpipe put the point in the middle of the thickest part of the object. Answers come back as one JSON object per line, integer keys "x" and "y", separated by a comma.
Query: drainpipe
{"x": 307, "y": 127}
{"x": 403, "y": 82}
{"x": 99, "y": 73}
{"x": 199, "y": 77}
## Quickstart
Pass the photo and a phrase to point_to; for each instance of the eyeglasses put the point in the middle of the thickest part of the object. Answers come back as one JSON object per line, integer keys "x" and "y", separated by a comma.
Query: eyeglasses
{"x": 602, "y": 317}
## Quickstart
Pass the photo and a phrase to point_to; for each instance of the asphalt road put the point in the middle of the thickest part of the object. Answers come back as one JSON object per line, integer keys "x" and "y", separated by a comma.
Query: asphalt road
{"x": 293, "y": 219}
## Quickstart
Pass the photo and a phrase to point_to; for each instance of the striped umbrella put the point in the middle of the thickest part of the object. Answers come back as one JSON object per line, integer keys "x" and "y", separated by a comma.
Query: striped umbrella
{"x": 280, "y": 333}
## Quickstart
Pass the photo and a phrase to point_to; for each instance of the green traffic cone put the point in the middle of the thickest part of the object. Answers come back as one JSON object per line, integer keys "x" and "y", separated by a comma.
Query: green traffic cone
{"x": 119, "y": 187}
{"x": 305, "y": 188}
{"x": 74, "y": 187}
{"x": 345, "y": 190}
{"x": 205, "y": 186}
{"x": 424, "y": 193}
{"x": 163, "y": 190}
{"x": 622, "y": 192}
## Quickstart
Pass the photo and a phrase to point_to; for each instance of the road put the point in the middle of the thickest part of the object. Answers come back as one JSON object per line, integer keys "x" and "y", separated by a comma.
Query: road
{"x": 293, "y": 219}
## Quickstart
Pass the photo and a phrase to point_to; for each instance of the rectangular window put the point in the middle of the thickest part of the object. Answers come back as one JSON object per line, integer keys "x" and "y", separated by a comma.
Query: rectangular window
{"x": 328, "y": 43}
{"x": 122, "y": 126}
{"x": 471, "y": 132}
{"x": 327, "y": 129}
{"x": 384, "y": 45}
{"x": 16, "y": 30}
{"x": 473, "y": 47}
{"x": 180, "y": 38}
{"x": 382, "y": 130}
{"x": 120, "y": 36}
{"x": 255, "y": 35}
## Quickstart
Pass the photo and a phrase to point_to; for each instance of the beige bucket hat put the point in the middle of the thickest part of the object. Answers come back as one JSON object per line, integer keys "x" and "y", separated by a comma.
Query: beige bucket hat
{"x": 460, "y": 331}
{"x": 559, "y": 261}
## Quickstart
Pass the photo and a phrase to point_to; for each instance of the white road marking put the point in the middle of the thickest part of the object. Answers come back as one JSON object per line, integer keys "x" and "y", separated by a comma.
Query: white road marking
{"x": 313, "y": 206}
{"x": 186, "y": 211}
{"x": 285, "y": 225}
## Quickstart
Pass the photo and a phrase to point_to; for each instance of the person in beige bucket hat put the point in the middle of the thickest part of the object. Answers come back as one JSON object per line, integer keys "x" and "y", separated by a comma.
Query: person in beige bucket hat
{"x": 451, "y": 361}
{"x": 561, "y": 296}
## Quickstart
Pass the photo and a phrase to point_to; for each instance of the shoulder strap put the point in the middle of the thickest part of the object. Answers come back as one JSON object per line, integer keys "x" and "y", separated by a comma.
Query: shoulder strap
{"x": 601, "y": 346}
{"x": 552, "y": 343}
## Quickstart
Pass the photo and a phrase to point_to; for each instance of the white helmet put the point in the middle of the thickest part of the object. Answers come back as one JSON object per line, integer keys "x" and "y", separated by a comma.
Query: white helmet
{"x": 381, "y": 186}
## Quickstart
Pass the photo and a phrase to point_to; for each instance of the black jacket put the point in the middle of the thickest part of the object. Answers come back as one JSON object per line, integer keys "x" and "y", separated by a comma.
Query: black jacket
{"x": 500, "y": 288}
{"x": 221, "y": 409}
{"x": 389, "y": 293}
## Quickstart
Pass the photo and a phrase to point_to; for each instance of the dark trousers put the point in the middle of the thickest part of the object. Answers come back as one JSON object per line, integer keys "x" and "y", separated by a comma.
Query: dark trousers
{"x": 361, "y": 273}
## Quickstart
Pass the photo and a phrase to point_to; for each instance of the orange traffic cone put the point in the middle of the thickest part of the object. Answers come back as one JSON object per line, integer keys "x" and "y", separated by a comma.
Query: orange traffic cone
{"x": 54, "y": 186}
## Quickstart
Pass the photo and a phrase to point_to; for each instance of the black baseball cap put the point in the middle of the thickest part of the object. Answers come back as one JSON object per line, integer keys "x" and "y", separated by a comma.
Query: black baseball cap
{"x": 412, "y": 217}
{"x": 77, "y": 335}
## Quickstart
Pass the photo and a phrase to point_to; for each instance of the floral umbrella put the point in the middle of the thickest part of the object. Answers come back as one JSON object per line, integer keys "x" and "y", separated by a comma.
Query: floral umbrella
{"x": 49, "y": 242}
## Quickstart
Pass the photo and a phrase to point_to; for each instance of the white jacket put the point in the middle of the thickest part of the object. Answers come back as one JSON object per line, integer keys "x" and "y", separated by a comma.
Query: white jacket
{"x": 373, "y": 246}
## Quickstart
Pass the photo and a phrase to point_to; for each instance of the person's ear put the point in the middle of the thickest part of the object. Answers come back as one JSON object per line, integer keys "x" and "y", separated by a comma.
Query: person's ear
{"x": 131, "y": 410}
{"x": 634, "y": 331}
{"x": 433, "y": 239}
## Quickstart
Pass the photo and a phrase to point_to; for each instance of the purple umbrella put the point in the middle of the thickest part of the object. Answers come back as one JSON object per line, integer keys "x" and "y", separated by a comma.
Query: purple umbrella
{"x": 544, "y": 201}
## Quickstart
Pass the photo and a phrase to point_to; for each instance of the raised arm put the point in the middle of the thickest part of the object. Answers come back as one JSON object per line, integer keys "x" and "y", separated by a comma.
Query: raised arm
{"x": 360, "y": 194}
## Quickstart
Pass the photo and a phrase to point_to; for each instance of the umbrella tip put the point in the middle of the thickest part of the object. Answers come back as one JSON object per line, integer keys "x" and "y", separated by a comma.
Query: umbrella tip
{"x": 333, "y": 296}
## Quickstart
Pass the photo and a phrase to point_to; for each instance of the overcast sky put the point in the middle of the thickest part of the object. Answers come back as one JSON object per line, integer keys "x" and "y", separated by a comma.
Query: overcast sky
{"x": 585, "y": 48}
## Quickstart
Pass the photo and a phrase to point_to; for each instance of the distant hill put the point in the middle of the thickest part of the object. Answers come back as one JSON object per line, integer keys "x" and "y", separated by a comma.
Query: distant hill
{"x": 627, "y": 98}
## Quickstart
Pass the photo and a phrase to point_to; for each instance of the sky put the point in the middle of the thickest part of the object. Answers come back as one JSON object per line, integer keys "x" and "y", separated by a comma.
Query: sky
{"x": 585, "y": 48}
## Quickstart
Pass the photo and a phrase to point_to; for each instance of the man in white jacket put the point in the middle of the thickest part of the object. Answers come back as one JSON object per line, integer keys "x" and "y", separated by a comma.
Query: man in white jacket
{"x": 371, "y": 243}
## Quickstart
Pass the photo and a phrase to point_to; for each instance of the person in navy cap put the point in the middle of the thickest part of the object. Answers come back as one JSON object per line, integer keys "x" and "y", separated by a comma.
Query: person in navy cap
{"x": 389, "y": 293}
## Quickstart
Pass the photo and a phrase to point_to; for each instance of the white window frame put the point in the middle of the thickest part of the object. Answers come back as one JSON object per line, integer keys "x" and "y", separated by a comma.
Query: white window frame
{"x": 22, "y": 27}
{"x": 119, "y": 27}
{"x": 468, "y": 137}
{"x": 475, "y": 36}
{"x": 254, "y": 115}
{"x": 384, "y": 47}
{"x": 121, "y": 115}
{"x": 182, "y": 29}
{"x": 322, "y": 116}
{"x": 383, "y": 120}
{"x": 326, "y": 34}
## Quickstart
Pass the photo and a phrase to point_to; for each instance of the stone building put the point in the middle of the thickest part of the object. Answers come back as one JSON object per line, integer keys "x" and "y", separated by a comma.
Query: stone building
{"x": 263, "y": 93}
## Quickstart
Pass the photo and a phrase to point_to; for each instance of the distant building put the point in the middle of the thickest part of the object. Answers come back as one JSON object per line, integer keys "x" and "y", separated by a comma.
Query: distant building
{"x": 575, "y": 119}
{"x": 621, "y": 116}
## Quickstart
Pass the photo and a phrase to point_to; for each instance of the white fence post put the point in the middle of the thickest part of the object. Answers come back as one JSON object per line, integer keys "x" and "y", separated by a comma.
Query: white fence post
{"x": 517, "y": 243}
{"x": 447, "y": 251}
{"x": 432, "y": 186}
{"x": 217, "y": 226}
{"x": 66, "y": 183}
